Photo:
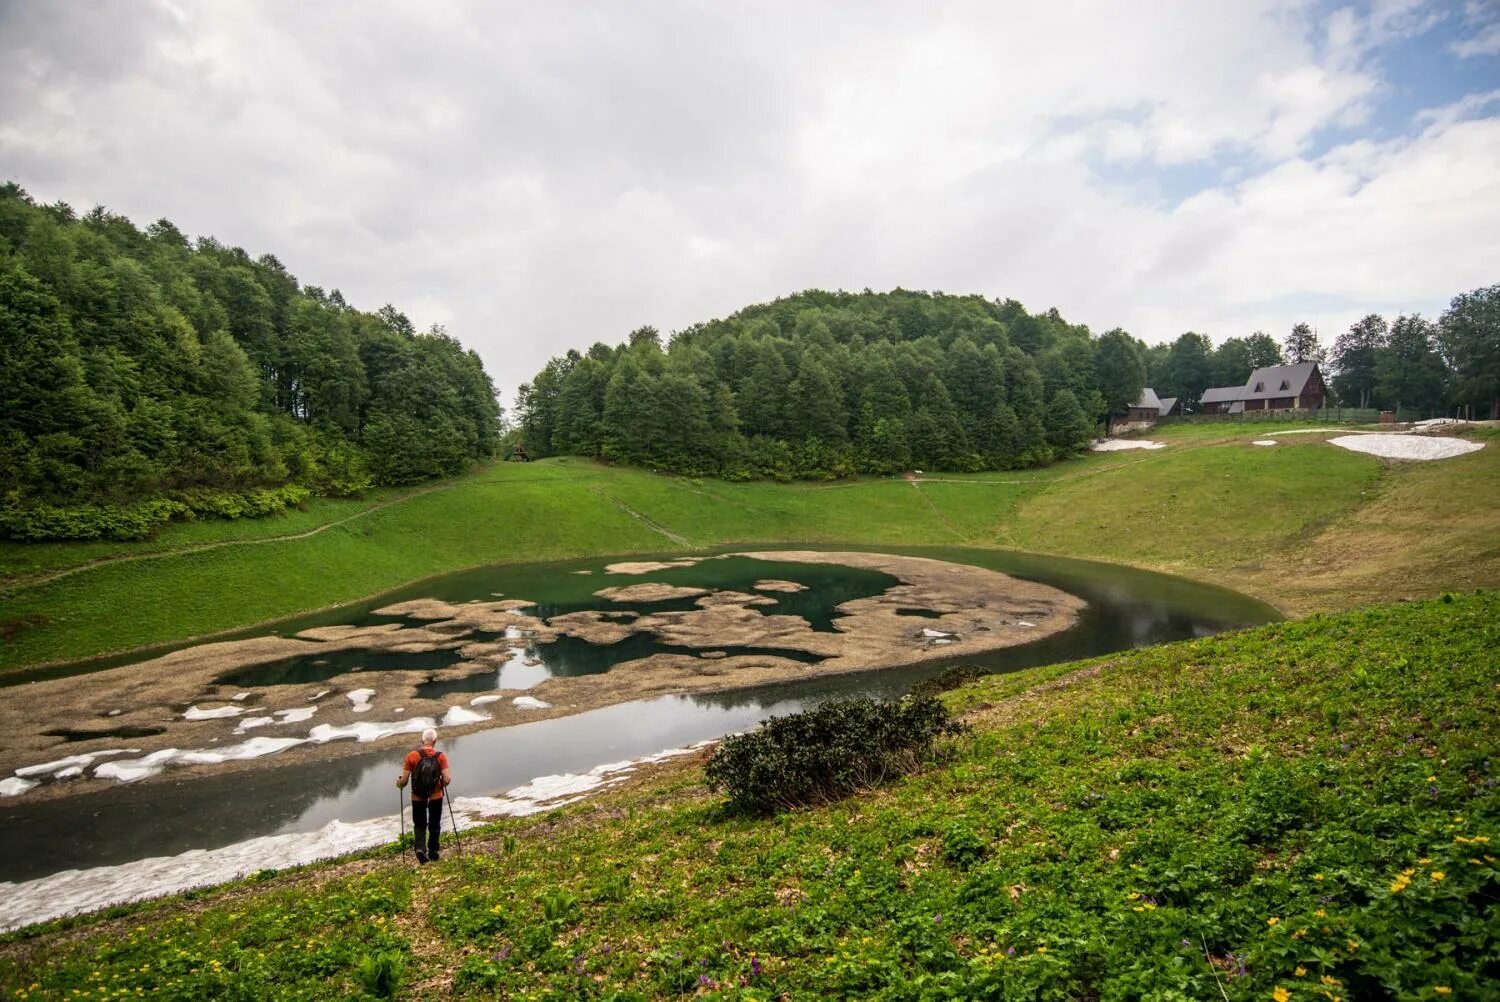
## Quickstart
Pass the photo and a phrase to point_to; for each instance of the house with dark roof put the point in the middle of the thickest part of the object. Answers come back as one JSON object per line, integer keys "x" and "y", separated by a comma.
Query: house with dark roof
{"x": 1298, "y": 386}
{"x": 1145, "y": 411}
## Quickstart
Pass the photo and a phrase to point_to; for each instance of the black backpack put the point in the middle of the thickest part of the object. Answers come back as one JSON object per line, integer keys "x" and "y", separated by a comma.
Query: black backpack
{"x": 427, "y": 776}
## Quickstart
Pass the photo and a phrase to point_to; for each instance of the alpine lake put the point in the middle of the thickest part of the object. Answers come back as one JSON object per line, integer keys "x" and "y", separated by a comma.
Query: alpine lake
{"x": 545, "y": 669}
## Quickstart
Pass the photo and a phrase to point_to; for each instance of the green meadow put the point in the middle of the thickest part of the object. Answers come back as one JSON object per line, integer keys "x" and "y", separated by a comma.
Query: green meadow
{"x": 1307, "y": 810}
{"x": 1304, "y": 526}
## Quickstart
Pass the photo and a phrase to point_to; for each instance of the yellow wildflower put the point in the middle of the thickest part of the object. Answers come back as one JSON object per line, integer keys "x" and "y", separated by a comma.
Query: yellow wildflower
{"x": 1399, "y": 884}
{"x": 1272, "y": 920}
{"x": 1437, "y": 876}
{"x": 1320, "y": 913}
{"x": 1353, "y": 945}
{"x": 1330, "y": 980}
{"x": 1441, "y": 990}
{"x": 1041, "y": 949}
{"x": 1318, "y": 877}
{"x": 1281, "y": 994}
{"x": 1300, "y": 971}
{"x": 1424, "y": 861}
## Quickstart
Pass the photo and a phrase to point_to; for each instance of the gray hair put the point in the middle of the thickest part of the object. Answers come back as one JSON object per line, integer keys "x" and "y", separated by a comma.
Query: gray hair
{"x": 429, "y": 736}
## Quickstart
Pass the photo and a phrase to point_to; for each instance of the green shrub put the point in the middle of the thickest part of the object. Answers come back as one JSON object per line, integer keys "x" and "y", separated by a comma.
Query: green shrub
{"x": 827, "y": 752}
{"x": 949, "y": 678}
{"x": 379, "y": 974}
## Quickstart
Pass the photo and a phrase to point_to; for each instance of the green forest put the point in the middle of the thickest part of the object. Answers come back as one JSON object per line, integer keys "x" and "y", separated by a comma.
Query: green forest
{"x": 828, "y": 384}
{"x": 146, "y": 377}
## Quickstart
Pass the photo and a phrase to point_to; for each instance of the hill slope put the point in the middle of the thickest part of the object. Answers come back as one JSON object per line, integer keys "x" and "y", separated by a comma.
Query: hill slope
{"x": 1304, "y": 526}
{"x": 1305, "y": 809}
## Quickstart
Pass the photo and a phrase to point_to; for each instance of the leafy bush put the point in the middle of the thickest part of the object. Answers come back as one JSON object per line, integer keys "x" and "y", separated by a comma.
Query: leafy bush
{"x": 827, "y": 752}
{"x": 379, "y": 974}
{"x": 44, "y": 523}
{"x": 949, "y": 678}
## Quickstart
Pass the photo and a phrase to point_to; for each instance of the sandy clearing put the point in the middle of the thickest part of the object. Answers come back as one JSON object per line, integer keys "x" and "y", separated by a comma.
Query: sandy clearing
{"x": 1414, "y": 447}
{"x": 1120, "y": 444}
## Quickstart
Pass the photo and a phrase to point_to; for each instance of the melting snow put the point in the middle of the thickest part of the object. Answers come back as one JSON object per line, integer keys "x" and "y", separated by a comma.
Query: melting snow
{"x": 931, "y": 634}
{"x": 297, "y": 714}
{"x": 83, "y": 759}
{"x": 14, "y": 786}
{"x": 360, "y": 699}
{"x": 131, "y": 769}
{"x": 458, "y": 715}
{"x": 1022, "y": 622}
{"x": 193, "y": 713}
{"x": 482, "y": 700}
{"x": 250, "y": 723}
{"x": 318, "y": 695}
{"x": 369, "y": 730}
{"x": 240, "y": 697}
{"x": 529, "y": 703}
{"x": 73, "y": 891}
{"x": 1417, "y": 447}
{"x": 1264, "y": 441}
{"x": 1116, "y": 444}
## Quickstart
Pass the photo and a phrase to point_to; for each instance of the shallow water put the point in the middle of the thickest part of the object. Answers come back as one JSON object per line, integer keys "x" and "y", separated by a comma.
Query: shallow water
{"x": 1127, "y": 608}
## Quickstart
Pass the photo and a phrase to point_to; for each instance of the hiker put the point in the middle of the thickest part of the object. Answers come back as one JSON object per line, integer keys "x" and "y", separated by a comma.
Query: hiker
{"x": 427, "y": 768}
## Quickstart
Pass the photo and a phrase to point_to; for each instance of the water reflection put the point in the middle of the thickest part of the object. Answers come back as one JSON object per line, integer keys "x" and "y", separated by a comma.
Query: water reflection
{"x": 1127, "y": 608}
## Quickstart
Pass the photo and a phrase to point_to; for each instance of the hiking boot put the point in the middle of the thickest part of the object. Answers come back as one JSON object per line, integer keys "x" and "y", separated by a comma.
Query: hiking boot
{"x": 436, "y": 855}
{"x": 421, "y": 857}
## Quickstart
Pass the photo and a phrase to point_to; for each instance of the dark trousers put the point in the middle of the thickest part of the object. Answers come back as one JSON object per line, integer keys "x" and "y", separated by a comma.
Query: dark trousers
{"x": 426, "y": 819}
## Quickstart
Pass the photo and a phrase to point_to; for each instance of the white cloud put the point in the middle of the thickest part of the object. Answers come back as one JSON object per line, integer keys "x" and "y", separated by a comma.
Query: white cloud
{"x": 541, "y": 177}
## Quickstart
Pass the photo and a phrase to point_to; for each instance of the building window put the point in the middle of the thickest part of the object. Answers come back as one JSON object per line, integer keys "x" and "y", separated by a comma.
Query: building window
{"x": 1260, "y": 387}
{"x": 1285, "y": 385}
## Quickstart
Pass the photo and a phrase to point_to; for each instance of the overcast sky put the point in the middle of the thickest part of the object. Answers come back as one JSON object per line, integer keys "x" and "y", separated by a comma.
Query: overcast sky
{"x": 541, "y": 176}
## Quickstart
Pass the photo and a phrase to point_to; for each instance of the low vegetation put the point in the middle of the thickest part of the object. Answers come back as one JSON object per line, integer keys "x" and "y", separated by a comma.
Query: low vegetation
{"x": 1302, "y": 811}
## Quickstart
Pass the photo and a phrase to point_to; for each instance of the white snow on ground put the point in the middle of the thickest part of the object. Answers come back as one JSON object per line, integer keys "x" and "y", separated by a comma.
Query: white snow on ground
{"x": 369, "y": 730}
{"x": 529, "y": 703}
{"x": 250, "y": 723}
{"x": 14, "y": 786}
{"x": 193, "y": 713}
{"x": 1022, "y": 622}
{"x": 360, "y": 699}
{"x": 481, "y": 700}
{"x": 1264, "y": 441}
{"x": 73, "y": 891}
{"x": 240, "y": 697}
{"x": 1418, "y": 447}
{"x": 932, "y": 634}
{"x": 318, "y": 695}
{"x": 297, "y": 714}
{"x": 131, "y": 769}
{"x": 83, "y": 759}
{"x": 458, "y": 715}
{"x": 1116, "y": 444}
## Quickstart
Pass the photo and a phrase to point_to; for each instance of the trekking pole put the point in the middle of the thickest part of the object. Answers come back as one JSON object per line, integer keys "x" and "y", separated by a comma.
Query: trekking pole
{"x": 458, "y": 843}
{"x": 401, "y": 813}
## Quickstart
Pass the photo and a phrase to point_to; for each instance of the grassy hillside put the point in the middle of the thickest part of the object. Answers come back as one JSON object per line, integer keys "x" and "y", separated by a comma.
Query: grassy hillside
{"x": 1304, "y": 526}
{"x": 1302, "y": 811}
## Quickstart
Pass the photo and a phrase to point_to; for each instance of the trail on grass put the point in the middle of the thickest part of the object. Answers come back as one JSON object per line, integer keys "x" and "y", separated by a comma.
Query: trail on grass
{"x": 644, "y": 519}
{"x": 122, "y": 558}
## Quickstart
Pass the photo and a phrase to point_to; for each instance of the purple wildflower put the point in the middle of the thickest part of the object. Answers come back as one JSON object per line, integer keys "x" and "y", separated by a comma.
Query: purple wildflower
{"x": 755, "y": 966}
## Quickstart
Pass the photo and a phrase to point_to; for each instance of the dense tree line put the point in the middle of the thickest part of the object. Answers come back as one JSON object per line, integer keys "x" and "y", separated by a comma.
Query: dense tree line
{"x": 824, "y": 384}
{"x": 827, "y": 384}
{"x": 1411, "y": 363}
{"x": 137, "y": 366}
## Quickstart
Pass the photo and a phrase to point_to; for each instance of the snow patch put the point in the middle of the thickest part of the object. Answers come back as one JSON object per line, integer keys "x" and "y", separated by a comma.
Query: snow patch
{"x": 458, "y": 715}
{"x": 250, "y": 723}
{"x": 1022, "y": 622}
{"x": 72, "y": 891}
{"x": 529, "y": 703}
{"x": 193, "y": 713}
{"x": 14, "y": 786}
{"x": 128, "y": 770}
{"x": 932, "y": 634}
{"x": 359, "y": 699}
{"x": 1117, "y": 444}
{"x": 240, "y": 697}
{"x": 482, "y": 700}
{"x": 1265, "y": 441}
{"x": 1415, "y": 447}
{"x": 369, "y": 730}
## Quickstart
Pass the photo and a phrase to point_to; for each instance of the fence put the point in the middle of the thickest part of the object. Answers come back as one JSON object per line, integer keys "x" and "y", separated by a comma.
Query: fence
{"x": 1327, "y": 415}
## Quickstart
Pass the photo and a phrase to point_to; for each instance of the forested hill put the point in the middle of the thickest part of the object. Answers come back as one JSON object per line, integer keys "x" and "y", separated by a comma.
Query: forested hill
{"x": 145, "y": 377}
{"x": 827, "y": 384}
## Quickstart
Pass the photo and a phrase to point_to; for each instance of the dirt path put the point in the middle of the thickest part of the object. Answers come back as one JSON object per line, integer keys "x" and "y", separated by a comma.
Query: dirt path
{"x": 22, "y": 583}
{"x": 645, "y": 520}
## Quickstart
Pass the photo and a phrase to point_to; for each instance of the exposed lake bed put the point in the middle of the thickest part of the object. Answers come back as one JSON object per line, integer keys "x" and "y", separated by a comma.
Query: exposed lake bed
{"x": 760, "y": 618}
